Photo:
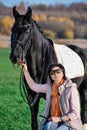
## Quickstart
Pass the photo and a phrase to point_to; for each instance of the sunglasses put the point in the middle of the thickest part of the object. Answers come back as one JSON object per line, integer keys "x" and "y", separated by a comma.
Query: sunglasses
{"x": 52, "y": 72}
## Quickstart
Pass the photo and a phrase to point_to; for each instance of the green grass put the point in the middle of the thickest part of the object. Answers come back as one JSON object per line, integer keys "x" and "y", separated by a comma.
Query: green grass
{"x": 14, "y": 112}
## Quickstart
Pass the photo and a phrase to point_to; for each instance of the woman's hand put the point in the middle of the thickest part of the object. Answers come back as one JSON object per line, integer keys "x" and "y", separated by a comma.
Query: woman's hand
{"x": 54, "y": 119}
{"x": 23, "y": 65}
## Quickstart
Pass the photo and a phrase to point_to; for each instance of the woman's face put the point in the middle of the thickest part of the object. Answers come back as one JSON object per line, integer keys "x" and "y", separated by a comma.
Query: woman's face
{"x": 56, "y": 74}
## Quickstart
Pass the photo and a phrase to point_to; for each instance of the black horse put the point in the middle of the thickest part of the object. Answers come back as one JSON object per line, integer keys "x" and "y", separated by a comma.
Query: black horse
{"x": 29, "y": 44}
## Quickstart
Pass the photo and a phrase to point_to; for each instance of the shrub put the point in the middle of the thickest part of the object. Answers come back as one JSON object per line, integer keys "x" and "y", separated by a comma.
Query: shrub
{"x": 67, "y": 34}
{"x": 50, "y": 33}
{"x": 40, "y": 17}
{"x": 63, "y": 20}
{"x": 6, "y": 24}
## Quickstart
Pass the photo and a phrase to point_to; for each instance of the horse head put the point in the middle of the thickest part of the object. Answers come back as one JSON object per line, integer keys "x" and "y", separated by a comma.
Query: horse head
{"x": 21, "y": 35}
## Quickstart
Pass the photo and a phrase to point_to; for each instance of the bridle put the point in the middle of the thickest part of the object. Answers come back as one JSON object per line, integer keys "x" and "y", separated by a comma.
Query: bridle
{"x": 25, "y": 46}
{"x": 27, "y": 43}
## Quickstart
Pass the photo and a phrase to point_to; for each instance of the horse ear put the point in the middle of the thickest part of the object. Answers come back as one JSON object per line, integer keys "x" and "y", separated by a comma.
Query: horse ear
{"x": 15, "y": 13}
{"x": 28, "y": 15}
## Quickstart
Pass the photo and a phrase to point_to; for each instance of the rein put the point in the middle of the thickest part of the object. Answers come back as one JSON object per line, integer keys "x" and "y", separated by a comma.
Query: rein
{"x": 22, "y": 84}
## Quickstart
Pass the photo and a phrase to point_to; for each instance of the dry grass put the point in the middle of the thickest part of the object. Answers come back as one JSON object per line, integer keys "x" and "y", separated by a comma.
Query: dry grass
{"x": 78, "y": 42}
{"x": 5, "y": 42}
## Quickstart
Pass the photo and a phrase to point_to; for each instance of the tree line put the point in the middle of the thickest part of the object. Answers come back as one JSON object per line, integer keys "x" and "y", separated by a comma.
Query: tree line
{"x": 57, "y": 21}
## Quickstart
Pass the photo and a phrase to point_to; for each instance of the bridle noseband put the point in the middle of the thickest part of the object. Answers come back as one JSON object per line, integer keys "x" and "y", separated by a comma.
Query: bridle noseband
{"x": 26, "y": 44}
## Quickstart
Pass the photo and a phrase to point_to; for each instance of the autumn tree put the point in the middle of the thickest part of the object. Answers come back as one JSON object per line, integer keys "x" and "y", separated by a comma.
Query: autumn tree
{"x": 6, "y": 24}
{"x": 50, "y": 33}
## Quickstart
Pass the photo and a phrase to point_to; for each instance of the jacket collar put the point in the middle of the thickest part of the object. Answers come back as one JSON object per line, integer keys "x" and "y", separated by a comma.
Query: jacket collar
{"x": 65, "y": 85}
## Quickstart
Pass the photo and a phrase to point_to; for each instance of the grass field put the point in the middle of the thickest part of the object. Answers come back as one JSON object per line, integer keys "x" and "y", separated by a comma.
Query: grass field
{"x": 14, "y": 112}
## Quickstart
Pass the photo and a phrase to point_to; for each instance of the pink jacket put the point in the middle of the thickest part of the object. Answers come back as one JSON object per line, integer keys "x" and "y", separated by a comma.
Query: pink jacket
{"x": 69, "y": 101}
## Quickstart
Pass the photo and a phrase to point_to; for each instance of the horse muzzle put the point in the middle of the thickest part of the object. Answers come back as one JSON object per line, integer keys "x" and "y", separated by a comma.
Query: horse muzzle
{"x": 16, "y": 59}
{"x": 13, "y": 58}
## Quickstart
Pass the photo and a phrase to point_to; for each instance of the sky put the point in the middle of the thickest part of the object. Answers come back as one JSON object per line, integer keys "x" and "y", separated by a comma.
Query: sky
{"x": 10, "y": 3}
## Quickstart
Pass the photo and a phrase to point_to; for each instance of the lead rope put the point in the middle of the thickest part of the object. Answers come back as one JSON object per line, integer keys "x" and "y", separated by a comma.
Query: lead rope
{"x": 22, "y": 86}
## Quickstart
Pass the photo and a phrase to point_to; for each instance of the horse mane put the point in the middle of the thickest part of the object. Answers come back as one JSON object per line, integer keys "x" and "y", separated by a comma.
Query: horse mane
{"x": 42, "y": 32}
{"x": 40, "y": 29}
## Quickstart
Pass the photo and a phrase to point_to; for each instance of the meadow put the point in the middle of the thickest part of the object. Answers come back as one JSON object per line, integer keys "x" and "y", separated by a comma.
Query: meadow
{"x": 14, "y": 112}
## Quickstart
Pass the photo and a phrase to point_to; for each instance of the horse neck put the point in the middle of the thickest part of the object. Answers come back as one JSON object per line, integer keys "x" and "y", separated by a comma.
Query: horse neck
{"x": 34, "y": 59}
{"x": 37, "y": 37}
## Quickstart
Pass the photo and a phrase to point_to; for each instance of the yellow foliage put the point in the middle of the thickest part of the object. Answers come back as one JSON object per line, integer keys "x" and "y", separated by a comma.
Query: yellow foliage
{"x": 66, "y": 20}
{"x": 36, "y": 17}
{"x": 62, "y": 20}
{"x": 68, "y": 34}
{"x": 50, "y": 33}
{"x": 53, "y": 19}
{"x": 40, "y": 17}
{"x": 6, "y": 24}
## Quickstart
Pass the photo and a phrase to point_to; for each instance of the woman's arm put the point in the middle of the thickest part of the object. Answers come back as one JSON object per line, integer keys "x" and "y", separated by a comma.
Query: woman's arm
{"x": 31, "y": 83}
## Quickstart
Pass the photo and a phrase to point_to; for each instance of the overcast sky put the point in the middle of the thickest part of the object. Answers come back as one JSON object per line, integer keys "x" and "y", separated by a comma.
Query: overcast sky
{"x": 16, "y": 2}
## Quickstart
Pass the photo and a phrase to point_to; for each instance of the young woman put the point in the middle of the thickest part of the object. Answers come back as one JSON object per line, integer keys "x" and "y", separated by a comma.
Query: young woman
{"x": 62, "y": 110}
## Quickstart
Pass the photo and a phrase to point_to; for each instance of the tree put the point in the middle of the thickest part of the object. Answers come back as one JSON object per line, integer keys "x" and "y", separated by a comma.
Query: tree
{"x": 50, "y": 33}
{"x": 6, "y": 24}
{"x": 67, "y": 34}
